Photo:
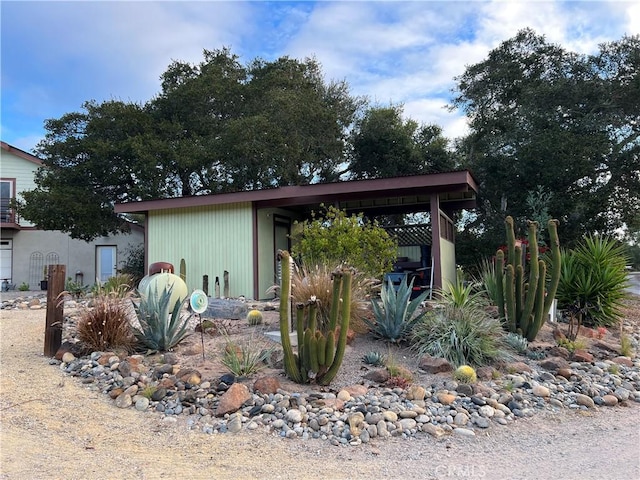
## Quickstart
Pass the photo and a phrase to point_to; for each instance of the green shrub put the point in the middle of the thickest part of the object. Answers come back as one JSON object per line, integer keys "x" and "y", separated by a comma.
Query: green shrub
{"x": 133, "y": 263}
{"x": 463, "y": 336}
{"x": 24, "y": 286}
{"x": 593, "y": 280}
{"x": 120, "y": 285}
{"x": 105, "y": 326}
{"x": 333, "y": 238}
{"x": 160, "y": 325}
{"x": 397, "y": 315}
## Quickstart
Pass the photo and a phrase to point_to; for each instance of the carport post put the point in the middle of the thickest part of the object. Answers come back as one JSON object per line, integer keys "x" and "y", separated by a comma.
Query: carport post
{"x": 55, "y": 310}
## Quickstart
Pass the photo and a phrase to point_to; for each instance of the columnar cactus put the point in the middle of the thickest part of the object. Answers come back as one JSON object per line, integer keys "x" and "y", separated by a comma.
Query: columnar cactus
{"x": 524, "y": 305}
{"x": 320, "y": 353}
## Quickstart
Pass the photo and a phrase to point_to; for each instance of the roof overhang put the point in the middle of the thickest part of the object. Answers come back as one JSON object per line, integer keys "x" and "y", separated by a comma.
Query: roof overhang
{"x": 455, "y": 190}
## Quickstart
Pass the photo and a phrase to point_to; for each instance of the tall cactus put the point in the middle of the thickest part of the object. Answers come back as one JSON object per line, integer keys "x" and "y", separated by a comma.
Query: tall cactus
{"x": 319, "y": 354}
{"x": 525, "y": 305}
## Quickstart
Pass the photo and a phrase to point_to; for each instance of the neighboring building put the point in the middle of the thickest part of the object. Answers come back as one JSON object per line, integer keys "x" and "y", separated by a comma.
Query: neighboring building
{"x": 25, "y": 251}
{"x": 240, "y": 232}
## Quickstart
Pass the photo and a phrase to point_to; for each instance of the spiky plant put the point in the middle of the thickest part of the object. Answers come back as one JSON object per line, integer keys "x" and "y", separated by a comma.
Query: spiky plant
{"x": 465, "y": 374}
{"x": 396, "y": 314}
{"x": 246, "y": 358}
{"x": 374, "y": 358}
{"x": 161, "y": 327}
{"x": 461, "y": 335}
{"x": 517, "y": 342}
{"x": 254, "y": 317}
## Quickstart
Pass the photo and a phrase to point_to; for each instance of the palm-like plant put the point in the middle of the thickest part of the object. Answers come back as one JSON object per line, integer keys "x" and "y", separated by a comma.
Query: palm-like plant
{"x": 160, "y": 325}
{"x": 593, "y": 281}
{"x": 397, "y": 315}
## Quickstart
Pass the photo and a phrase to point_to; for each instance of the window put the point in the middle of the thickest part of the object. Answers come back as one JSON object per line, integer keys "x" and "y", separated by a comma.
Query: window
{"x": 6, "y": 194}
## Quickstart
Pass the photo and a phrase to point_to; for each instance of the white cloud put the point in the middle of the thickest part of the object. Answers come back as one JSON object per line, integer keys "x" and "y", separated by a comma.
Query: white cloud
{"x": 393, "y": 52}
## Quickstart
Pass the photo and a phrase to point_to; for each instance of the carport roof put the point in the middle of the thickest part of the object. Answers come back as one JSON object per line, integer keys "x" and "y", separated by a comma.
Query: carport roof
{"x": 456, "y": 190}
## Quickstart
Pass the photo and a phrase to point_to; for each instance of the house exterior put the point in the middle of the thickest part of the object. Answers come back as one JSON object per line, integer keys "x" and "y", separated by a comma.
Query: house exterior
{"x": 240, "y": 232}
{"x": 25, "y": 251}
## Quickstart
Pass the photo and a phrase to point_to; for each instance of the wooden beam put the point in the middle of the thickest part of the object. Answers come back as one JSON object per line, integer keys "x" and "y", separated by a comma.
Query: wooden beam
{"x": 55, "y": 310}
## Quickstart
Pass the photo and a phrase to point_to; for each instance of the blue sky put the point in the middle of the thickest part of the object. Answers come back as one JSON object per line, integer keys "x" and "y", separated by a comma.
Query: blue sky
{"x": 57, "y": 55}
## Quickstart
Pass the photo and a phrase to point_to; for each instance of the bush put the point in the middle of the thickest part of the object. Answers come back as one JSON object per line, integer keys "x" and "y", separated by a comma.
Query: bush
{"x": 593, "y": 280}
{"x": 397, "y": 316}
{"x": 133, "y": 265}
{"x": 463, "y": 336}
{"x": 334, "y": 238}
{"x": 120, "y": 285}
{"x": 106, "y": 325}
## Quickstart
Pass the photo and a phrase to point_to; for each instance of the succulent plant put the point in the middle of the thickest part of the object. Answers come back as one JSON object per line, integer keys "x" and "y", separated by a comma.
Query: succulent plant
{"x": 524, "y": 303}
{"x": 517, "y": 342}
{"x": 374, "y": 358}
{"x": 320, "y": 352}
{"x": 465, "y": 374}
{"x": 254, "y": 317}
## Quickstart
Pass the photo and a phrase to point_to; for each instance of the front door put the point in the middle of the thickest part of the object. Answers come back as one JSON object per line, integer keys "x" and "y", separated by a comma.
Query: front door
{"x": 106, "y": 262}
{"x": 6, "y": 260}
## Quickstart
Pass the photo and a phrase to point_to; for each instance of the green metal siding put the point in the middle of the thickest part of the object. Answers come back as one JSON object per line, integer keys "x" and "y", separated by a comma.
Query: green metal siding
{"x": 211, "y": 239}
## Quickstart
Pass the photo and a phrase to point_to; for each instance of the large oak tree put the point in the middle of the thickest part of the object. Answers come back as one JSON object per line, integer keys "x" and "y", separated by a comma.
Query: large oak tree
{"x": 554, "y": 127}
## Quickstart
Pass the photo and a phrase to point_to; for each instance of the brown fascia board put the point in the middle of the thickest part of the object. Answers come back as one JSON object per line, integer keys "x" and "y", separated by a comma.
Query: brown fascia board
{"x": 456, "y": 181}
{"x": 20, "y": 153}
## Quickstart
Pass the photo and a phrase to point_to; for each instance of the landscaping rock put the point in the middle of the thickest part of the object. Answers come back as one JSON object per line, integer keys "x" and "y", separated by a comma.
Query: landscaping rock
{"x": 434, "y": 365}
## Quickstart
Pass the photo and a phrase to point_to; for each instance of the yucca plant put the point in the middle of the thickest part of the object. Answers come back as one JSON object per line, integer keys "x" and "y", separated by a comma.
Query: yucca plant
{"x": 395, "y": 318}
{"x": 461, "y": 295}
{"x": 487, "y": 280}
{"x": 593, "y": 282}
{"x": 160, "y": 325}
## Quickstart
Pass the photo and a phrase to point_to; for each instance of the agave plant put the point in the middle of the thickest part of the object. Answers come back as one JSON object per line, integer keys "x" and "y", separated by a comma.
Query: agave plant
{"x": 397, "y": 315}
{"x": 374, "y": 358}
{"x": 160, "y": 325}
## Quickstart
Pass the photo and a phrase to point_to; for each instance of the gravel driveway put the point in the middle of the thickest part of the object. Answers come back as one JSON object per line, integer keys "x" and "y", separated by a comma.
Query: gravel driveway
{"x": 54, "y": 428}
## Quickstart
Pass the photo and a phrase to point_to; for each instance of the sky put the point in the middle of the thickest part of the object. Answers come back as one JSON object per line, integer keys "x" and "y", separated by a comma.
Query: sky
{"x": 57, "y": 55}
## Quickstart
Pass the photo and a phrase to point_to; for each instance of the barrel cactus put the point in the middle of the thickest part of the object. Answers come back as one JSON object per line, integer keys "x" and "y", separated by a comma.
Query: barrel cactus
{"x": 254, "y": 317}
{"x": 465, "y": 374}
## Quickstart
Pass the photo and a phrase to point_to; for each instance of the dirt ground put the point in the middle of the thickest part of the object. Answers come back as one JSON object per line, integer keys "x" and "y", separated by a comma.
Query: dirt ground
{"x": 54, "y": 428}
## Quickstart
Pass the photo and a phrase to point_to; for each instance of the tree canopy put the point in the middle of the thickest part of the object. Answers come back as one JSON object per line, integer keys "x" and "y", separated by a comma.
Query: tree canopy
{"x": 215, "y": 127}
{"x": 553, "y": 132}
{"x": 384, "y": 144}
